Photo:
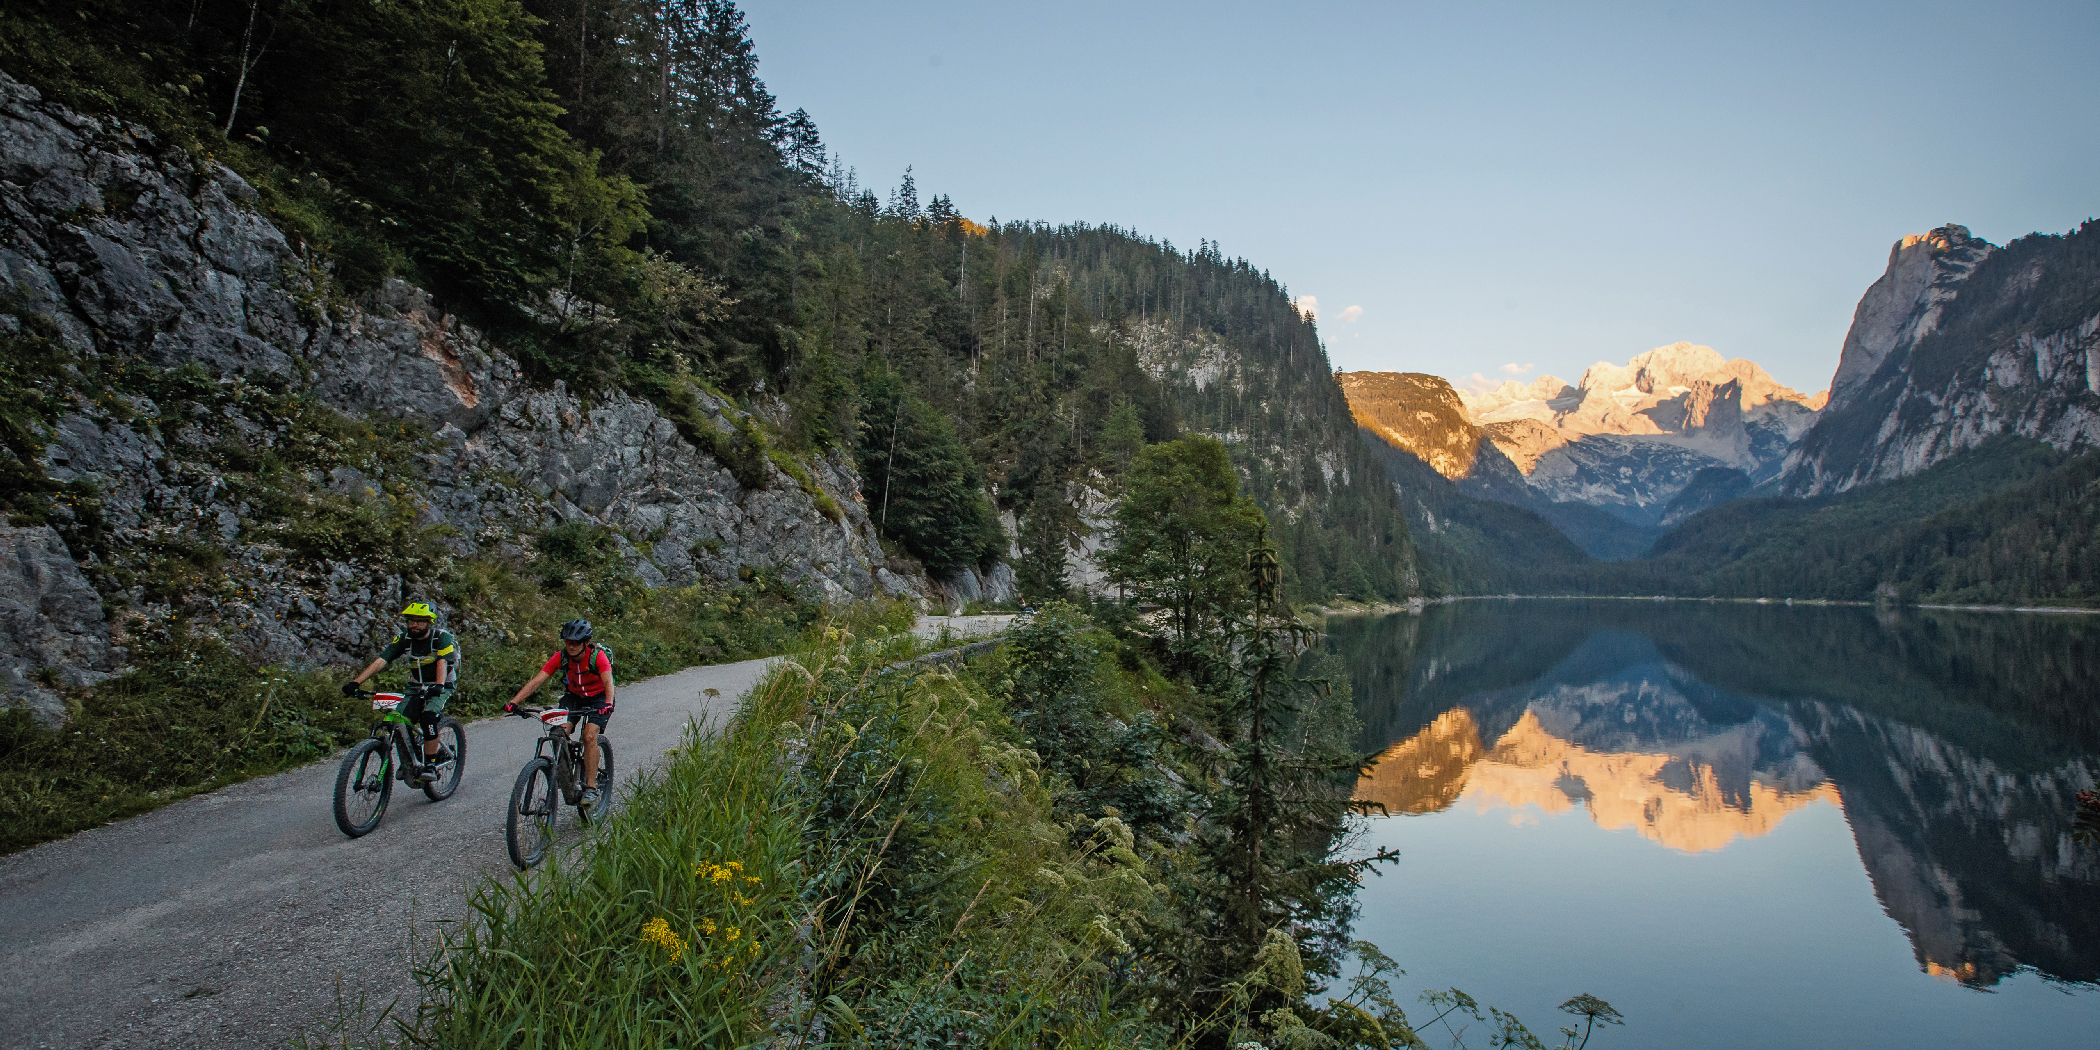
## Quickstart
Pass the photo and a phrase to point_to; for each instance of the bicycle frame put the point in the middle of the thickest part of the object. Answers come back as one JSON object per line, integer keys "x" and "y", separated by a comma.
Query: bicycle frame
{"x": 568, "y": 758}
{"x": 403, "y": 734}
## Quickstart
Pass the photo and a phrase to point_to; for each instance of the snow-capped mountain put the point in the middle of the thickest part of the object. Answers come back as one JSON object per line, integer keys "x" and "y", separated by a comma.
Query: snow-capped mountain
{"x": 1630, "y": 437}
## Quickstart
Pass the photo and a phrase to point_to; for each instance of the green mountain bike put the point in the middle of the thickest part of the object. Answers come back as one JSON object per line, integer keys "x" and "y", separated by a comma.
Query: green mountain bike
{"x": 393, "y": 752}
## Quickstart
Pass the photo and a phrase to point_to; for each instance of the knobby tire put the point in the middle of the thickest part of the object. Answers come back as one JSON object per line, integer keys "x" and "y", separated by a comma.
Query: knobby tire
{"x": 364, "y": 764}
{"x": 453, "y": 735}
{"x": 534, "y": 802}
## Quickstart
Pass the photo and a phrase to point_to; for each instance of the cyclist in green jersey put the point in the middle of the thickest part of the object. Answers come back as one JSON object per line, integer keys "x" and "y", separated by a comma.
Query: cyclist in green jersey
{"x": 433, "y": 661}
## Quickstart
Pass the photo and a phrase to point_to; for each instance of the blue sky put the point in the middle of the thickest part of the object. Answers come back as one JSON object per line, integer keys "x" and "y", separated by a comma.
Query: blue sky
{"x": 1492, "y": 184}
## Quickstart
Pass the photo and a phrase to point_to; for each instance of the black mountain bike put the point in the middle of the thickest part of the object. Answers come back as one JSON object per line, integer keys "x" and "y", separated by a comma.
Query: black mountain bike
{"x": 393, "y": 752}
{"x": 556, "y": 768}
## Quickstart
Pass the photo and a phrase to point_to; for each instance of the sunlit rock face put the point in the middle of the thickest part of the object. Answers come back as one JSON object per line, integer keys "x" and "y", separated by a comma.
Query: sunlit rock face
{"x": 1419, "y": 413}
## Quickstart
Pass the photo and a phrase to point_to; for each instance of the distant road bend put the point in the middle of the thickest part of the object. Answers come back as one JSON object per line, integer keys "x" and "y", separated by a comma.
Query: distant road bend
{"x": 243, "y": 918}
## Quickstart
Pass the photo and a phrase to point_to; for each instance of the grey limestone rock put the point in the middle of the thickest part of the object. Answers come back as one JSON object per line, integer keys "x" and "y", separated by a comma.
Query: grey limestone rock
{"x": 1891, "y": 416}
{"x": 52, "y": 629}
{"x": 188, "y": 272}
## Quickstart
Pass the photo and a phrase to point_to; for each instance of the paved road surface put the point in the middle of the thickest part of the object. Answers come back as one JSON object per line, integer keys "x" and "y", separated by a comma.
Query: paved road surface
{"x": 243, "y": 918}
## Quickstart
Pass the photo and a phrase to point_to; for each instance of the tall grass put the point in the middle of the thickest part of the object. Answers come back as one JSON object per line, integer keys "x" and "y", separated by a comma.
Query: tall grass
{"x": 675, "y": 924}
{"x": 191, "y": 717}
{"x": 913, "y": 888}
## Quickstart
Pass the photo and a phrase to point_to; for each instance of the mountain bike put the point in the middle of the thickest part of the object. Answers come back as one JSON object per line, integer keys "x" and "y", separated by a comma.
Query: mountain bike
{"x": 556, "y": 767}
{"x": 393, "y": 752}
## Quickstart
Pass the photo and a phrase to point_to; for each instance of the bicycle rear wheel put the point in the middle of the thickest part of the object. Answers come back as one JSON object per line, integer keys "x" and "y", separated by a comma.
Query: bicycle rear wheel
{"x": 529, "y": 828}
{"x": 362, "y": 787}
{"x": 453, "y": 736}
{"x": 603, "y": 808}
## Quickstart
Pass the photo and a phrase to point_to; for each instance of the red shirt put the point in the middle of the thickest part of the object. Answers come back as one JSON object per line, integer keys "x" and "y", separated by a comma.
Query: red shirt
{"x": 587, "y": 675}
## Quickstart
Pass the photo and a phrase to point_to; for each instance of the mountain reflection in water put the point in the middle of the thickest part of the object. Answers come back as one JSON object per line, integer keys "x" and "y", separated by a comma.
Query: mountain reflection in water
{"x": 1954, "y": 744}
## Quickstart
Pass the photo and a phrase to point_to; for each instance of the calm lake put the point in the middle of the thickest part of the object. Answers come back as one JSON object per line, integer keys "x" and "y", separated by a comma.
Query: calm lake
{"x": 1743, "y": 825}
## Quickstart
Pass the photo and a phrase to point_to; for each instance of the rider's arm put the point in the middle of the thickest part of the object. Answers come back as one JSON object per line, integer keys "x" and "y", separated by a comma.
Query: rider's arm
{"x": 387, "y": 656}
{"x": 371, "y": 669}
{"x": 605, "y": 672}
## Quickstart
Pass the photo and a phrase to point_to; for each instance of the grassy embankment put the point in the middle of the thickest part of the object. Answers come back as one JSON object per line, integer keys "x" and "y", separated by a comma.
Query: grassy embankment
{"x": 870, "y": 855}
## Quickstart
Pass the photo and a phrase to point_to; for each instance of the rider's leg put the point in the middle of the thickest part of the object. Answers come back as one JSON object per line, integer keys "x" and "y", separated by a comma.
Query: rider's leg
{"x": 590, "y": 754}
{"x": 433, "y": 709}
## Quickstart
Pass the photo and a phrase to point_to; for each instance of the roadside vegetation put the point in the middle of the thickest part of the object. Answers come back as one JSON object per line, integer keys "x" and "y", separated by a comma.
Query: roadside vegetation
{"x": 1109, "y": 832}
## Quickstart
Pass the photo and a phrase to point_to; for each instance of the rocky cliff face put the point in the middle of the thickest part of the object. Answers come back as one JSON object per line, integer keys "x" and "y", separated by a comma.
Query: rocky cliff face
{"x": 204, "y": 354}
{"x": 1959, "y": 341}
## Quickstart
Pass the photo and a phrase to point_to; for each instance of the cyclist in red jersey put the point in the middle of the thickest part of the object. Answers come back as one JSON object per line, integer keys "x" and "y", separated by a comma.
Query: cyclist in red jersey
{"x": 587, "y": 686}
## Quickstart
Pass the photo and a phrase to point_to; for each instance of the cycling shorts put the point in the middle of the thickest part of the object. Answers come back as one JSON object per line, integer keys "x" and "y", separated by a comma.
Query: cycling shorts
{"x": 426, "y": 704}
{"x": 578, "y": 704}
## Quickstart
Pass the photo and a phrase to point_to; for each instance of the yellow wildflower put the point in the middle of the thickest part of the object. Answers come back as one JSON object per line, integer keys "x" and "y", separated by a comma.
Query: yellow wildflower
{"x": 658, "y": 932}
{"x": 732, "y": 934}
{"x": 707, "y": 926}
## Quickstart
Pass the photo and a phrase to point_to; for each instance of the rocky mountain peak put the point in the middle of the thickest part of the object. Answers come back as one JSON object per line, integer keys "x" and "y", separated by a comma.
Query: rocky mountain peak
{"x": 1905, "y": 304}
{"x": 1627, "y": 439}
{"x": 1952, "y": 235}
{"x": 1956, "y": 342}
{"x": 1730, "y": 410}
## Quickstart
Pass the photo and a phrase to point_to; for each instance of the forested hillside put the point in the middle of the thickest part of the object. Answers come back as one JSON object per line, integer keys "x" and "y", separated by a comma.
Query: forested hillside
{"x": 612, "y": 193}
{"x": 1474, "y": 545}
{"x": 2010, "y": 522}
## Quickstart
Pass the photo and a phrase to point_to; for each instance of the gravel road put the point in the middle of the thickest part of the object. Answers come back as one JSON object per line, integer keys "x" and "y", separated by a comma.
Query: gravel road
{"x": 243, "y": 918}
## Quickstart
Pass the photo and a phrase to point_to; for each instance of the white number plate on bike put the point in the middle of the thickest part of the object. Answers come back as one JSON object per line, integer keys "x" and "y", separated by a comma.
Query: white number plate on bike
{"x": 555, "y": 715}
{"x": 386, "y": 701}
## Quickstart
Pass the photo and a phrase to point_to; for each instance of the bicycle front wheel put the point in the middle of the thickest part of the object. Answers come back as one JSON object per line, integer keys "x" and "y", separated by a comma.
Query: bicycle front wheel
{"x": 362, "y": 787}
{"x": 529, "y": 828}
{"x": 453, "y": 737}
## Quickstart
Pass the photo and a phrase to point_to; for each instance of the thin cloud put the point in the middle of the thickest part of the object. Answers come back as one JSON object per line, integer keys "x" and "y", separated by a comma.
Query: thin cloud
{"x": 1478, "y": 384}
{"x": 1351, "y": 314}
{"x": 1308, "y": 305}
{"x": 1516, "y": 369}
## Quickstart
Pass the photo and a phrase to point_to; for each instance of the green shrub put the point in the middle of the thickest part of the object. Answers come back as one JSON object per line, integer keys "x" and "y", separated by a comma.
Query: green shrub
{"x": 190, "y": 716}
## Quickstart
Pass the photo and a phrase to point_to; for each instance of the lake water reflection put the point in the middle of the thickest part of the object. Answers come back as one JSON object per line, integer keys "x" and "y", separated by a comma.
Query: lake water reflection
{"x": 1743, "y": 825}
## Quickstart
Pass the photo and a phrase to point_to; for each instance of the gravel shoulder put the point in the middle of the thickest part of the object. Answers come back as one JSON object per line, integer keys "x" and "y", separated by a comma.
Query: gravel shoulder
{"x": 243, "y": 918}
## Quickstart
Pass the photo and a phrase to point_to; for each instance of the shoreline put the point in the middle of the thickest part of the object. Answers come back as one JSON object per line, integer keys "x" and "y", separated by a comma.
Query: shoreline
{"x": 1418, "y": 605}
